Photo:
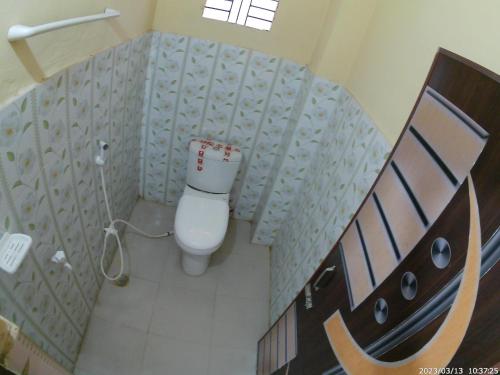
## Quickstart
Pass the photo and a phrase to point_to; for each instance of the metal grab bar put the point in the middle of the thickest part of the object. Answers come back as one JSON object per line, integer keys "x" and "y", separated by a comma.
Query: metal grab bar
{"x": 18, "y": 32}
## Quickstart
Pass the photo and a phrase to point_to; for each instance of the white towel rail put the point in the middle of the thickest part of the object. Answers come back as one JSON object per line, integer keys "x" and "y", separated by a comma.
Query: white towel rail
{"x": 18, "y": 32}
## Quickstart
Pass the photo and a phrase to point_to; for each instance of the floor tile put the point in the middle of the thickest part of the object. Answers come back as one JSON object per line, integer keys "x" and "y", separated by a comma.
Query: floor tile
{"x": 238, "y": 239}
{"x": 244, "y": 267}
{"x": 166, "y": 322}
{"x": 184, "y": 314}
{"x": 145, "y": 258}
{"x": 165, "y": 356}
{"x": 80, "y": 371}
{"x": 239, "y": 322}
{"x": 245, "y": 275}
{"x": 238, "y": 232}
{"x": 174, "y": 275}
{"x": 111, "y": 349}
{"x": 131, "y": 305}
{"x": 231, "y": 361}
{"x": 159, "y": 218}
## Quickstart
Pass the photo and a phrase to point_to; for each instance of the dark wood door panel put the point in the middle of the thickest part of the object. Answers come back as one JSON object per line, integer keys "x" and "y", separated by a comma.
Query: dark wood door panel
{"x": 483, "y": 330}
{"x": 361, "y": 322}
{"x": 476, "y": 92}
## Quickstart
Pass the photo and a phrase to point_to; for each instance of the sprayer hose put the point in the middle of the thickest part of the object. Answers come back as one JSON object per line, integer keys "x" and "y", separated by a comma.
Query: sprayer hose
{"x": 112, "y": 231}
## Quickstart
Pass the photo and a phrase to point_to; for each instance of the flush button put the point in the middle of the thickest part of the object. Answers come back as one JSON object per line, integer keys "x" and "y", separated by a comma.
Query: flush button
{"x": 409, "y": 286}
{"x": 440, "y": 253}
{"x": 381, "y": 311}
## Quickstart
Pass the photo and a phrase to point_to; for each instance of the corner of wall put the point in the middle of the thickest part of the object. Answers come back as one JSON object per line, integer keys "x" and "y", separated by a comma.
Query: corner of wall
{"x": 327, "y": 23}
{"x": 298, "y": 107}
{"x": 25, "y": 63}
{"x": 51, "y": 189}
{"x": 154, "y": 8}
{"x": 338, "y": 179}
{"x": 342, "y": 36}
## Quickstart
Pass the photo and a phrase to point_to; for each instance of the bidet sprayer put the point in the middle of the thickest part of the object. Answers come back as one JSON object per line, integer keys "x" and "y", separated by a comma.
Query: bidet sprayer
{"x": 100, "y": 158}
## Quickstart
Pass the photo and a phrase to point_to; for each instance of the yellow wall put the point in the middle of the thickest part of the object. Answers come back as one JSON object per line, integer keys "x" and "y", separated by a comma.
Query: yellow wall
{"x": 343, "y": 31}
{"x": 294, "y": 33}
{"x": 57, "y": 50}
{"x": 401, "y": 42}
{"x": 381, "y": 50}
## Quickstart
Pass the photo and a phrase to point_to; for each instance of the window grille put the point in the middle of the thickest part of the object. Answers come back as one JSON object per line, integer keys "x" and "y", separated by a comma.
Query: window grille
{"x": 258, "y": 14}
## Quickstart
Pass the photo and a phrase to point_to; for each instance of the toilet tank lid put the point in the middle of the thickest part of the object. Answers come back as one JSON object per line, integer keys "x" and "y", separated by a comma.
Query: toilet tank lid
{"x": 214, "y": 150}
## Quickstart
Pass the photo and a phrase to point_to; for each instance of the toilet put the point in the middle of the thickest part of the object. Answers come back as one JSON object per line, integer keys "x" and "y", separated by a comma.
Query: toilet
{"x": 202, "y": 214}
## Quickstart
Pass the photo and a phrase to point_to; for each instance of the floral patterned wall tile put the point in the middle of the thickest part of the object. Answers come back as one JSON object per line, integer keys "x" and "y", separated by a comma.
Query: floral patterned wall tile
{"x": 50, "y": 189}
{"x": 224, "y": 92}
{"x": 310, "y": 154}
{"x": 50, "y": 123}
{"x": 164, "y": 87}
{"x": 117, "y": 122}
{"x": 346, "y": 167}
{"x": 218, "y": 91}
{"x": 136, "y": 89}
{"x": 11, "y": 311}
{"x": 253, "y": 89}
{"x": 196, "y": 76}
{"x": 79, "y": 91}
{"x": 288, "y": 173}
{"x": 47, "y": 294}
{"x": 275, "y": 125}
{"x": 102, "y": 68}
{"x": 295, "y": 159}
{"x": 146, "y": 147}
{"x": 20, "y": 355}
{"x": 304, "y": 140}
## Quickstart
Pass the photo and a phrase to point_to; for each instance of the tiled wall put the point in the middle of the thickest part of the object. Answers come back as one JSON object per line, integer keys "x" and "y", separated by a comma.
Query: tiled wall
{"x": 49, "y": 189}
{"x": 310, "y": 153}
{"x": 296, "y": 154}
{"x": 352, "y": 151}
{"x": 310, "y": 156}
{"x": 202, "y": 88}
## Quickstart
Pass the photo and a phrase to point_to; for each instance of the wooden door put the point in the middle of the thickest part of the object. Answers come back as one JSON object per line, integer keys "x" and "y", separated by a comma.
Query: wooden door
{"x": 417, "y": 235}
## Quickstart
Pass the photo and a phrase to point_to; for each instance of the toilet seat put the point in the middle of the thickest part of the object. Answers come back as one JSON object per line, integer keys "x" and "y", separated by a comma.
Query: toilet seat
{"x": 201, "y": 221}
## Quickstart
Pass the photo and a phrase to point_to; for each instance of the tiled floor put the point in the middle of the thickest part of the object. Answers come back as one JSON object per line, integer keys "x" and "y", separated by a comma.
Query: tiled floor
{"x": 165, "y": 322}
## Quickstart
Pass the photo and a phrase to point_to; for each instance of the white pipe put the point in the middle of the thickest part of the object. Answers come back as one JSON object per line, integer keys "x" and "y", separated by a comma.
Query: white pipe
{"x": 18, "y": 32}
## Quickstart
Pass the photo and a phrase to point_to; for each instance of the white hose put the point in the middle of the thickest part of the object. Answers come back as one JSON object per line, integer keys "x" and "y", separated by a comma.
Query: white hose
{"x": 111, "y": 230}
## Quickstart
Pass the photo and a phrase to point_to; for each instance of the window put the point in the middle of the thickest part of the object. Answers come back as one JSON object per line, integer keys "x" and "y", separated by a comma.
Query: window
{"x": 258, "y": 14}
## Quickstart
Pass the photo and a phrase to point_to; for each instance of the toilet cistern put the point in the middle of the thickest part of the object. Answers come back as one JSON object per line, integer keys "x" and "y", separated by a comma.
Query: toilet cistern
{"x": 202, "y": 215}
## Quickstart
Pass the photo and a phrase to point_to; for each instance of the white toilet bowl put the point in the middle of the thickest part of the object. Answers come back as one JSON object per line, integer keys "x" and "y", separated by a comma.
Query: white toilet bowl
{"x": 201, "y": 222}
{"x": 203, "y": 211}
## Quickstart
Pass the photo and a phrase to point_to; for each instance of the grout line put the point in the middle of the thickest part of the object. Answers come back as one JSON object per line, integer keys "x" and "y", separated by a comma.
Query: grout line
{"x": 30, "y": 253}
{"x": 238, "y": 94}
{"x": 324, "y": 192}
{"x": 257, "y": 133}
{"x": 331, "y": 214}
{"x": 174, "y": 122}
{"x": 344, "y": 150}
{"x": 287, "y": 138}
{"x": 110, "y": 126}
{"x": 92, "y": 141}
{"x": 10, "y": 203}
{"x": 73, "y": 178}
{"x": 35, "y": 325}
{"x": 147, "y": 119}
{"x": 43, "y": 173}
{"x": 209, "y": 88}
{"x": 125, "y": 119}
{"x": 212, "y": 298}
{"x": 155, "y": 304}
